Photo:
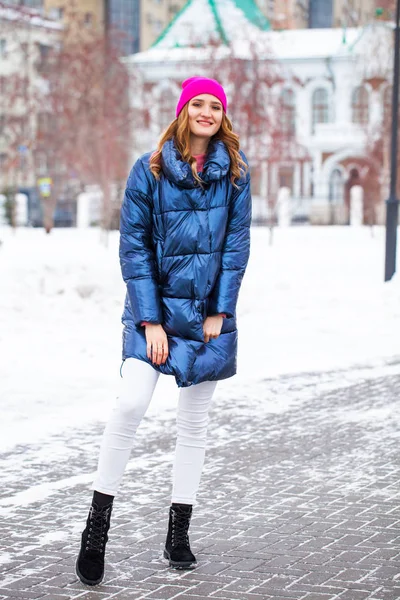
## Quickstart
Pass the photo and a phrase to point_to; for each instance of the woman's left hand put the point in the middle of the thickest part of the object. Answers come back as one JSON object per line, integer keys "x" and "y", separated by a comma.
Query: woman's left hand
{"x": 212, "y": 327}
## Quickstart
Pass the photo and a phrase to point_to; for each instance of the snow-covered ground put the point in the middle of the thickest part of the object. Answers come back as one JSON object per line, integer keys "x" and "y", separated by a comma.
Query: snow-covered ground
{"x": 313, "y": 301}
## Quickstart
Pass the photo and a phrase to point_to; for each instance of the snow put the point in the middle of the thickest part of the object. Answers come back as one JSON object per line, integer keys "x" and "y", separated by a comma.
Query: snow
{"x": 313, "y": 301}
{"x": 197, "y": 24}
{"x": 287, "y": 45}
{"x": 28, "y": 17}
{"x": 299, "y": 44}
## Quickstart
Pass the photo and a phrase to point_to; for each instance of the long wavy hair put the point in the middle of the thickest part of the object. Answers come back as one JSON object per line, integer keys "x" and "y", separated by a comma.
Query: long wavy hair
{"x": 179, "y": 131}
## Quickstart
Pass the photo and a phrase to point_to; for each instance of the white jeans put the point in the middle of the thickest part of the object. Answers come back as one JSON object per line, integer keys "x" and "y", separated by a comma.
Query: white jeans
{"x": 138, "y": 383}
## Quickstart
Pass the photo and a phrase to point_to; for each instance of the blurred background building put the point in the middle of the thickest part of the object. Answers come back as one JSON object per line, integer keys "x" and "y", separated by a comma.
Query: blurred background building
{"x": 139, "y": 21}
{"x": 330, "y": 86}
{"x": 296, "y": 14}
{"x": 142, "y": 21}
{"x": 331, "y": 82}
{"x": 24, "y": 50}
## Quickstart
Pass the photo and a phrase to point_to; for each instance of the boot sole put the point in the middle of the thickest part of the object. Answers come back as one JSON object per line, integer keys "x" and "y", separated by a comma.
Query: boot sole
{"x": 190, "y": 564}
{"x": 84, "y": 580}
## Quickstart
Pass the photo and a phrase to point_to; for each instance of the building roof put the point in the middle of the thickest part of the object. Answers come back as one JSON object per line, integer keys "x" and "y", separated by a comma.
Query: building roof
{"x": 27, "y": 17}
{"x": 289, "y": 45}
{"x": 201, "y": 22}
{"x": 326, "y": 43}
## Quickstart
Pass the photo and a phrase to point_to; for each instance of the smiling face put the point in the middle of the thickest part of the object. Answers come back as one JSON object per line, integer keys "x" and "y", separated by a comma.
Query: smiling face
{"x": 205, "y": 115}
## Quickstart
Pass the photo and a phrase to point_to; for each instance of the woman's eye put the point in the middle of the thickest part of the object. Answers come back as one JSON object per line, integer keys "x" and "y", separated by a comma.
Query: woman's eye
{"x": 216, "y": 108}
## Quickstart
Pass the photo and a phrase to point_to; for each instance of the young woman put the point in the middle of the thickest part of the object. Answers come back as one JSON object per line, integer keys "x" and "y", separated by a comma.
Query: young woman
{"x": 184, "y": 247}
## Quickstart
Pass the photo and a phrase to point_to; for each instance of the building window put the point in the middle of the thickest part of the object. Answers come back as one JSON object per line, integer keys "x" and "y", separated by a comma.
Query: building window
{"x": 166, "y": 112}
{"x": 23, "y": 159}
{"x": 270, "y": 9}
{"x": 288, "y": 112}
{"x": 44, "y": 55}
{"x": 46, "y": 124}
{"x": 286, "y": 177}
{"x": 336, "y": 187}
{"x": 360, "y": 106}
{"x": 44, "y": 51}
{"x": 56, "y": 13}
{"x": 31, "y": 3}
{"x": 41, "y": 163}
{"x": 3, "y": 48}
{"x": 25, "y": 50}
{"x": 158, "y": 26}
{"x": 88, "y": 19}
{"x": 42, "y": 124}
{"x": 387, "y": 104}
{"x": 124, "y": 16}
{"x": 320, "y": 13}
{"x": 320, "y": 107}
{"x": 23, "y": 127}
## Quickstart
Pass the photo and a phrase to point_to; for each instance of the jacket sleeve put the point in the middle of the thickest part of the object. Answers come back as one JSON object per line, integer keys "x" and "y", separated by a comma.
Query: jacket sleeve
{"x": 235, "y": 253}
{"x": 136, "y": 252}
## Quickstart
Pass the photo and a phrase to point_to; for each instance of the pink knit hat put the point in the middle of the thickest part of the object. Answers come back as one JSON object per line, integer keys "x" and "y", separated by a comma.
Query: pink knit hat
{"x": 200, "y": 85}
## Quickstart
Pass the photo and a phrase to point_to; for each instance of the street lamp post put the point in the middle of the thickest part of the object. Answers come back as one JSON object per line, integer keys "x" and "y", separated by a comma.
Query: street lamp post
{"x": 392, "y": 204}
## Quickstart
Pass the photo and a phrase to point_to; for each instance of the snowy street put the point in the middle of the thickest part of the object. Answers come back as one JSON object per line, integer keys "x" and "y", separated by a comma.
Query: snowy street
{"x": 313, "y": 301}
{"x": 300, "y": 494}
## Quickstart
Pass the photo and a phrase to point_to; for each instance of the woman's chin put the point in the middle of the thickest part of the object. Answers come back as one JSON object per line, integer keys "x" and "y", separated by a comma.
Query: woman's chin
{"x": 204, "y": 133}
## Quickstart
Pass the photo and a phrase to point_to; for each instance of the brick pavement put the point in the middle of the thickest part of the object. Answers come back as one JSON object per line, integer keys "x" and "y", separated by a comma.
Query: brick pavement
{"x": 299, "y": 501}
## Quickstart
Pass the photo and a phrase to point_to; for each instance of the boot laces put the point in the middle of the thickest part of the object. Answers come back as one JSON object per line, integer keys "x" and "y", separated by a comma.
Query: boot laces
{"x": 98, "y": 522}
{"x": 180, "y": 527}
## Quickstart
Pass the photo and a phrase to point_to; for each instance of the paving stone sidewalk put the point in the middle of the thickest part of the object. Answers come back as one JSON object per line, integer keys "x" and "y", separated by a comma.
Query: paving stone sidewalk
{"x": 297, "y": 502}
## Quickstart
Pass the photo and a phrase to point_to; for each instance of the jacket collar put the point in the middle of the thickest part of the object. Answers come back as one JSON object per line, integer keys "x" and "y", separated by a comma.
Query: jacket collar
{"x": 216, "y": 165}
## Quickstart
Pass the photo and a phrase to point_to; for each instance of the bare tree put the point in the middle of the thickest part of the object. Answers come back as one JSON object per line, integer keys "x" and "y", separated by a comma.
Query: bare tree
{"x": 377, "y": 73}
{"x": 84, "y": 131}
{"x": 260, "y": 113}
{"x": 18, "y": 48}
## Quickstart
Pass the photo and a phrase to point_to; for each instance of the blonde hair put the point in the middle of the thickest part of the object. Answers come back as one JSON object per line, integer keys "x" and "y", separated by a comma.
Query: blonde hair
{"x": 179, "y": 131}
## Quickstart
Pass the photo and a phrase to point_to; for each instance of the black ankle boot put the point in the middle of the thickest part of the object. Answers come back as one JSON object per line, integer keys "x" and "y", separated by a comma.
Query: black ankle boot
{"x": 90, "y": 563}
{"x": 177, "y": 548}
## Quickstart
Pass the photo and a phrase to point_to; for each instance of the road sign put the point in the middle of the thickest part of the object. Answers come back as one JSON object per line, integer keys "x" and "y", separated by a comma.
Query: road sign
{"x": 44, "y": 185}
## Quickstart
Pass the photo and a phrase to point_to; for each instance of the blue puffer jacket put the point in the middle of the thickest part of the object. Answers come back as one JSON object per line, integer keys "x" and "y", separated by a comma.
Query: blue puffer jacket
{"x": 183, "y": 252}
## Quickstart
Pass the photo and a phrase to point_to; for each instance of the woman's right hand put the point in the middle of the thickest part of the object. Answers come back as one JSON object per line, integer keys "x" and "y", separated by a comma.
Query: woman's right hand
{"x": 157, "y": 343}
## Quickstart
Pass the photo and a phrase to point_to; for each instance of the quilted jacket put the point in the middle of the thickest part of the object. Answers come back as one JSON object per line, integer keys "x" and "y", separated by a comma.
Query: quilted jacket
{"x": 183, "y": 251}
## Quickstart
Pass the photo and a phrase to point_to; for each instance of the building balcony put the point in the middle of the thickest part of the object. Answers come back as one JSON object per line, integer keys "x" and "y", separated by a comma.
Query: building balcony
{"x": 337, "y": 135}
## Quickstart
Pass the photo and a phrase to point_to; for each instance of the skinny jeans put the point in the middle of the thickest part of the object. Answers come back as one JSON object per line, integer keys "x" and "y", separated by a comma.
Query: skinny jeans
{"x": 137, "y": 386}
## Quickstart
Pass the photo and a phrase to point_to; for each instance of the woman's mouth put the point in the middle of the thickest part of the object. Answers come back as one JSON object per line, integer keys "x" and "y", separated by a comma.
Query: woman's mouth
{"x": 205, "y": 123}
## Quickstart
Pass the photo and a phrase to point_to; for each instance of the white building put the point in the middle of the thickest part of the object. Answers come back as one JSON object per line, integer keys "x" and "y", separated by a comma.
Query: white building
{"x": 333, "y": 86}
{"x": 25, "y": 40}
